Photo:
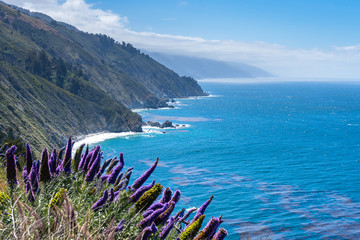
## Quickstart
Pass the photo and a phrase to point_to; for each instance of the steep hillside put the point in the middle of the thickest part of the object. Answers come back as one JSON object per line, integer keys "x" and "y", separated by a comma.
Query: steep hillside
{"x": 121, "y": 70}
{"x": 57, "y": 81}
{"x": 34, "y": 109}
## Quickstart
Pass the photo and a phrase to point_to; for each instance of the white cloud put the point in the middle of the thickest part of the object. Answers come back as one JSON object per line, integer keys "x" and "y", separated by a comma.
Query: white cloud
{"x": 278, "y": 59}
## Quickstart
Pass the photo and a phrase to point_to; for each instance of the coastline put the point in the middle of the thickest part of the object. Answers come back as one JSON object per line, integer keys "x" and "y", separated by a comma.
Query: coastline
{"x": 99, "y": 137}
{"x": 103, "y": 136}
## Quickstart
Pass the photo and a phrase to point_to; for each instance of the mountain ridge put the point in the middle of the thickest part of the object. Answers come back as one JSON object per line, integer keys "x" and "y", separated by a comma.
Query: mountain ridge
{"x": 200, "y": 68}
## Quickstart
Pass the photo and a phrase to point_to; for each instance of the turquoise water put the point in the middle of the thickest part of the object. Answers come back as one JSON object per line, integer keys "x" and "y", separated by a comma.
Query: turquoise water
{"x": 281, "y": 159}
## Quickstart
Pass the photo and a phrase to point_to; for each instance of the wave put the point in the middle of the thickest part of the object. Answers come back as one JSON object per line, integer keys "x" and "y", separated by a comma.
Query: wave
{"x": 99, "y": 137}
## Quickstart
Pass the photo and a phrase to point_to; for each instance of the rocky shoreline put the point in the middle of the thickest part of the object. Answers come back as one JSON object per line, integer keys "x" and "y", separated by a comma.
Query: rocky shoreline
{"x": 166, "y": 124}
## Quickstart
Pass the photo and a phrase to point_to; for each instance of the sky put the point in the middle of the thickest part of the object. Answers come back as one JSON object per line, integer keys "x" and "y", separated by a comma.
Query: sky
{"x": 289, "y": 38}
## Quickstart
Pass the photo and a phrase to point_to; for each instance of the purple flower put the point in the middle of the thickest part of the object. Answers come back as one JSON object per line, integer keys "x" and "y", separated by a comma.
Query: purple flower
{"x": 155, "y": 206}
{"x": 104, "y": 177}
{"x": 166, "y": 197}
{"x": 67, "y": 157}
{"x": 167, "y": 228}
{"x": 118, "y": 179}
{"x": 179, "y": 214}
{"x": 116, "y": 170}
{"x": 151, "y": 218}
{"x": 141, "y": 191}
{"x": 191, "y": 210}
{"x": 147, "y": 213}
{"x": 101, "y": 201}
{"x": 82, "y": 161}
{"x": 28, "y": 157}
{"x": 44, "y": 175}
{"x": 103, "y": 167}
{"x": 11, "y": 166}
{"x": 166, "y": 214}
{"x": 138, "y": 182}
{"x": 145, "y": 234}
{"x": 202, "y": 209}
{"x": 176, "y": 196}
{"x": 87, "y": 160}
{"x": 59, "y": 169}
{"x": 113, "y": 163}
{"x": 93, "y": 157}
{"x": 25, "y": 174}
{"x": 210, "y": 228}
{"x": 220, "y": 235}
{"x": 52, "y": 162}
{"x": 34, "y": 178}
{"x": 120, "y": 226}
{"x": 28, "y": 186}
{"x": 112, "y": 195}
{"x": 37, "y": 166}
{"x": 93, "y": 169}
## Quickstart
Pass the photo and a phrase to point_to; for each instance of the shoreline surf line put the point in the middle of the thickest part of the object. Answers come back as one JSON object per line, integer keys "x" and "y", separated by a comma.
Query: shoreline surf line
{"x": 99, "y": 137}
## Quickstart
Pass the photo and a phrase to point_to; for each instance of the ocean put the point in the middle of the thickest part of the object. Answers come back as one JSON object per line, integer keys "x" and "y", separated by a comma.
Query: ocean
{"x": 281, "y": 159}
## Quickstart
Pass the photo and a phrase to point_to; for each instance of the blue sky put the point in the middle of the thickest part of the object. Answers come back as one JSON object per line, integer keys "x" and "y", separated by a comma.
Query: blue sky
{"x": 295, "y": 38}
{"x": 294, "y": 23}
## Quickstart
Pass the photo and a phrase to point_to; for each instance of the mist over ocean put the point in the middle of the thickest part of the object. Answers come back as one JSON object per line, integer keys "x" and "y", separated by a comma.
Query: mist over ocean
{"x": 281, "y": 159}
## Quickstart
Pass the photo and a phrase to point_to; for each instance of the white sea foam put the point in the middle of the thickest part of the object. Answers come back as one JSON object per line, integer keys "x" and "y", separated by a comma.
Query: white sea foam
{"x": 139, "y": 110}
{"x": 99, "y": 137}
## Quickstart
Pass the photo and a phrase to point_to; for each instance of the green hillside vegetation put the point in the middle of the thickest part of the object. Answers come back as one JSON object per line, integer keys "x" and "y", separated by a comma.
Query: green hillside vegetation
{"x": 56, "y": 81}
{"x": 83, "y": 197}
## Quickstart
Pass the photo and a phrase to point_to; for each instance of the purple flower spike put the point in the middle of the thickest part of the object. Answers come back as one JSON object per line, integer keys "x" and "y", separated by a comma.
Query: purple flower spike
{"x": 151, "y": 218}
{"x": 220, "y": 235}
{"x": 155, "y": 206}
{"x": 25, "y": 174}
{"x": 28, "y": 157}
{"x": 37, "y": 166}
{"x": 59, "y": 169}
{"x": 93, "y": 169}
{"x": 210, "y": 228}
{"x": 34, "y": 178}
{"x": 122, "y": 159}
{"x": 176, "y": 196}
{"x": 67, "y": 157}
{"x": 141, "y": 191}
{"x": 104, "y": 177}
{"x": 11, "y": 166}
{"x": 44, "y": 175}
{"x": 103, "y": 167}
{"x": 52, "y": 162}
{"x": 120, "y": 226}
{"x": 82, "y": 161}
{"x": 28, "y": 186}
{"x": 87, "y": 160}
{"x": 166, "y": 197}
{"x": 93, "y": 157}
{"x": 202, "y": 209}
{"x": 112, "y": 195}
{"x": 101, "y": 201}
{"x": 180, "y": 214}
{"x": 145, "y": 234}
{"x": 190, "y": 211}
{"x": 167, "y": 228}
{"x": 147, "y": 213}
{"x": 140, "y": 181}
{"x": 166, "y": 214}
{"x": 115, "y": 172}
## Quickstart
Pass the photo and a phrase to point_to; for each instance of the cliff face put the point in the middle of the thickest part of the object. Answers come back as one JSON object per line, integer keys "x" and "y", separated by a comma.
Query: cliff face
{"x": 57, "y": 81}
{"x": 36, "y": 110}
